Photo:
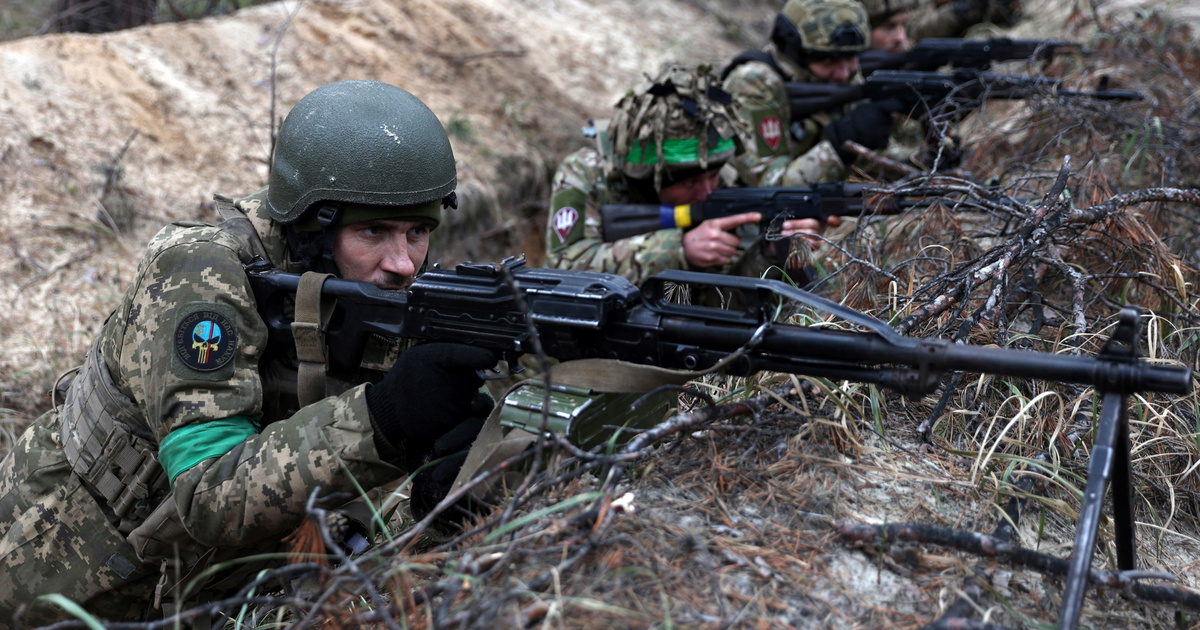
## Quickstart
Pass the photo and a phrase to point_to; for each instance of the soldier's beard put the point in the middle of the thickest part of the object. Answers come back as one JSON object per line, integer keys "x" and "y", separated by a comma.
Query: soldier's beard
{"x": 392, "y": 281}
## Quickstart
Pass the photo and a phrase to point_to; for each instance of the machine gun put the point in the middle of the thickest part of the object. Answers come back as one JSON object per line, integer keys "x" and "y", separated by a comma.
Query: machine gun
{"x": 978, "y": 54}
{"x": 965, "y": 88}
{"x": 582, "y": 314}
{"x": 818, "y": 201}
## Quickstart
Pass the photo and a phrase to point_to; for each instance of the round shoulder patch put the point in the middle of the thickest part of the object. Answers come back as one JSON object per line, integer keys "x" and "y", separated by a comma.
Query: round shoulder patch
{"x": 205, "y": 340}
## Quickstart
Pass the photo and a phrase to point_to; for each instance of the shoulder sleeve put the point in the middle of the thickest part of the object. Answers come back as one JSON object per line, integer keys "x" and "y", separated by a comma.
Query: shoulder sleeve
{"x": 936, "y": 21}
{"x": 190, "y": 351}
{"x": 819, "y": 164}
{"x": 574, "y": 228}
{"x": 764, "y": 113}
{"x": 189, "y": 334}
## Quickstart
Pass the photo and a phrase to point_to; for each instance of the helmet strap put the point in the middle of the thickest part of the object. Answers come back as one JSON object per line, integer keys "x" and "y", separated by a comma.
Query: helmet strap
{"x": 314, "y": 250}
{"x": 787, "y": 39}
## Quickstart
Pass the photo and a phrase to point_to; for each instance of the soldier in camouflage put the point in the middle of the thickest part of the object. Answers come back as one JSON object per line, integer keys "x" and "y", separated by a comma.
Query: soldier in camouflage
{"x": 963, "y": 18}
{"x": 889, "y": 23}
{"x": 182, "y": 441}
{"x": 665, "y": 144}
{"x": 812, "y": 41}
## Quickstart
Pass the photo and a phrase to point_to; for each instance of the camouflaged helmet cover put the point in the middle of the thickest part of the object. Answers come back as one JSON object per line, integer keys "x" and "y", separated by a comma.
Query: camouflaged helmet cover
{"x": 817, "y": 21}
{"x": 359, "y": 142}
{"x": 678, "y": 108}
{"x": 878, "y": 11}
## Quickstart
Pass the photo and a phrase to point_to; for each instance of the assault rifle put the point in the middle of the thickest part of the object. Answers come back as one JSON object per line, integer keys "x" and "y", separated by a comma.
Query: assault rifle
{"x": 818, "y": 201}
{"x": 583, "y": 314}
{"x": 979, "y": 54}
{"x": 964, "y": 87}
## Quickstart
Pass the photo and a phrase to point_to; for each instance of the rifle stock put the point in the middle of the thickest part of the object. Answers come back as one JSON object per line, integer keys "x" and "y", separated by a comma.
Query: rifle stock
{"x": 819, "y": 201}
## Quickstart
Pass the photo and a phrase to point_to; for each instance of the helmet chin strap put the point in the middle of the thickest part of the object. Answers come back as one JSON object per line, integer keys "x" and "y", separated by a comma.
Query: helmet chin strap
{"x": 314, "y": 250}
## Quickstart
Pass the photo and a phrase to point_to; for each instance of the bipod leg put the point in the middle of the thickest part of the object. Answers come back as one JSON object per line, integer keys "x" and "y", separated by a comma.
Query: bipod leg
{"x": 1112, "y": 435}
{"x": 1122, "y": 495}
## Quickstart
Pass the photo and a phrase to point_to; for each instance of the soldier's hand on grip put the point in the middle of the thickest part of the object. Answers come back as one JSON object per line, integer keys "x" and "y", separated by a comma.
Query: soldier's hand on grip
{"x": 432, "y": 484}
{"x": 869, "y": 124}
{"x": 426, "y": 395}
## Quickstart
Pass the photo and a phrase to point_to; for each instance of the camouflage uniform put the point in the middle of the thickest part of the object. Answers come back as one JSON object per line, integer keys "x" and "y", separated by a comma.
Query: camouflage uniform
{"x": 963, "y": 18}
{"x": 778, "y": 151}
{"x": 679, "y": 126}
{"x": 581, "y": 183}
{"x": 781, "y": 151}
{"x": 242, "y": 492}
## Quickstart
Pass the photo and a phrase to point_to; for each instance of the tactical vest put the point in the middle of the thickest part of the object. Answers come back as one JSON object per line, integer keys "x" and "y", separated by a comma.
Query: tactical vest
{"x": 753, "y": 55}
{"x": 110, "y": 446}
{"x": 107, "y": 441}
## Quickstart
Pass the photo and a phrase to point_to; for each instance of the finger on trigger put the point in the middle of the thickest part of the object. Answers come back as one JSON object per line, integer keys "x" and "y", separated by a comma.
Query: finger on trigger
{"x": 732, "y": 221}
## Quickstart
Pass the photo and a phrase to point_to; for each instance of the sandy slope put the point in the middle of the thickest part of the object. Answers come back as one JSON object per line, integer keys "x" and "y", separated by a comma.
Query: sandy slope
{"x": 515, "y": 78}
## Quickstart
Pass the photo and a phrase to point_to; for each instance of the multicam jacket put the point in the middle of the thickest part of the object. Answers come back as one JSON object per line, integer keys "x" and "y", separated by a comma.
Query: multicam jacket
{"x": 573, "y": 233}
{"x": 185, "y": 355}
{"x": 979, "y": 20}
{"x": 778, "y": 150}
{"x": 574, "y": 230}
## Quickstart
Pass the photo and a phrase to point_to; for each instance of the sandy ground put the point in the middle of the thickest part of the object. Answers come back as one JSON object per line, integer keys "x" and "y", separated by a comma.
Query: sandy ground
{"x": 514, "y": 79}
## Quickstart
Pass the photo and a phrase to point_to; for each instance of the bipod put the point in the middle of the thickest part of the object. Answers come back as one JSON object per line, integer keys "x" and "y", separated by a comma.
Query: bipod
{"x": 1110, "y": 461}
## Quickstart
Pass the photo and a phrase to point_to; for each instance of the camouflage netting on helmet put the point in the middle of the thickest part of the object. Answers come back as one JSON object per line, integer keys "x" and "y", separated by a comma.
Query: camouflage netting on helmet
{"x": 681, "y": 120}
{"x": 878, "y": 11}
{"x": 814, "y": 28}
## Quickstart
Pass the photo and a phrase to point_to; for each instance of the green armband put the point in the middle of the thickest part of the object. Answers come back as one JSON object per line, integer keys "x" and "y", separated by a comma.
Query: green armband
{"x": 187, "y": 446}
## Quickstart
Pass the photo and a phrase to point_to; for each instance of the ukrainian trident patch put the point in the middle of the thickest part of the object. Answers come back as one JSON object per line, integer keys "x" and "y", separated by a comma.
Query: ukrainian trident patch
{"x": 205, "y": 340}
{"x": 564, "y": 221}
{"x": 770, "y": 129}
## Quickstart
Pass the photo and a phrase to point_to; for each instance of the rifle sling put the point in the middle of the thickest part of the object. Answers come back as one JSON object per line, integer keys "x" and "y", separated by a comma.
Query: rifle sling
{"x": 308, "y": 329}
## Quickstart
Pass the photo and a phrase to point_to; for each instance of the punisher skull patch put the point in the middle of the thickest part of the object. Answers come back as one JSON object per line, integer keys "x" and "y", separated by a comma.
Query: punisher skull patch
{"x": 205, "y": 339}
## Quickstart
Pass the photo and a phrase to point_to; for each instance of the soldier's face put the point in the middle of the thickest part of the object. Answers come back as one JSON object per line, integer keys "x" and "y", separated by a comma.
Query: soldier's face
{"x": 892, "y": 35}
{"x": 691, "y": 190}
{"x": 385, "y": 252}
{"x": 837, "y": 70}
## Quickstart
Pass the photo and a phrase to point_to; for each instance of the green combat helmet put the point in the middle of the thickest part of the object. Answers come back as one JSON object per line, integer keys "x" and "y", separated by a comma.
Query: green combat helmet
{"x": 681, "y": 125}
{"x": 879, "y": 11}
{"x": 354, "y": 150}
{"x": 808, "y": 30}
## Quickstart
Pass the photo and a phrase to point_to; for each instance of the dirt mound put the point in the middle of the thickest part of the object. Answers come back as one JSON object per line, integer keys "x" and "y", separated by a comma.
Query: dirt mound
{"x": 187, "y": 108}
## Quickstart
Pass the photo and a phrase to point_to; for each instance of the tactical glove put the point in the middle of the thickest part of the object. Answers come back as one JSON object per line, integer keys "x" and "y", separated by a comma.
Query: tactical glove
{"x": 432, "y": 484}
{"x": 969, "y": 12}
{"x": 869, "y": 124}
{"x": 426, "y": 395}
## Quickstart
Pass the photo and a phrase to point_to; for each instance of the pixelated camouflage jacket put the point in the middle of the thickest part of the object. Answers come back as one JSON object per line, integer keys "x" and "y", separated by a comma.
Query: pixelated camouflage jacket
{"x": 574, "y": 228}
{"x": 778, "y": 150}
{"x": 61, "y": 539}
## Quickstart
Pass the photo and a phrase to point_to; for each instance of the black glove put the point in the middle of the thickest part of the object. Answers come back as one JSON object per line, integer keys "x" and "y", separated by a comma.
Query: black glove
{"x": 969, "y": 12}
{"x": 869, "y": 124}
{"x": 432, "y": 484}
{"x": 426, "y": 395}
